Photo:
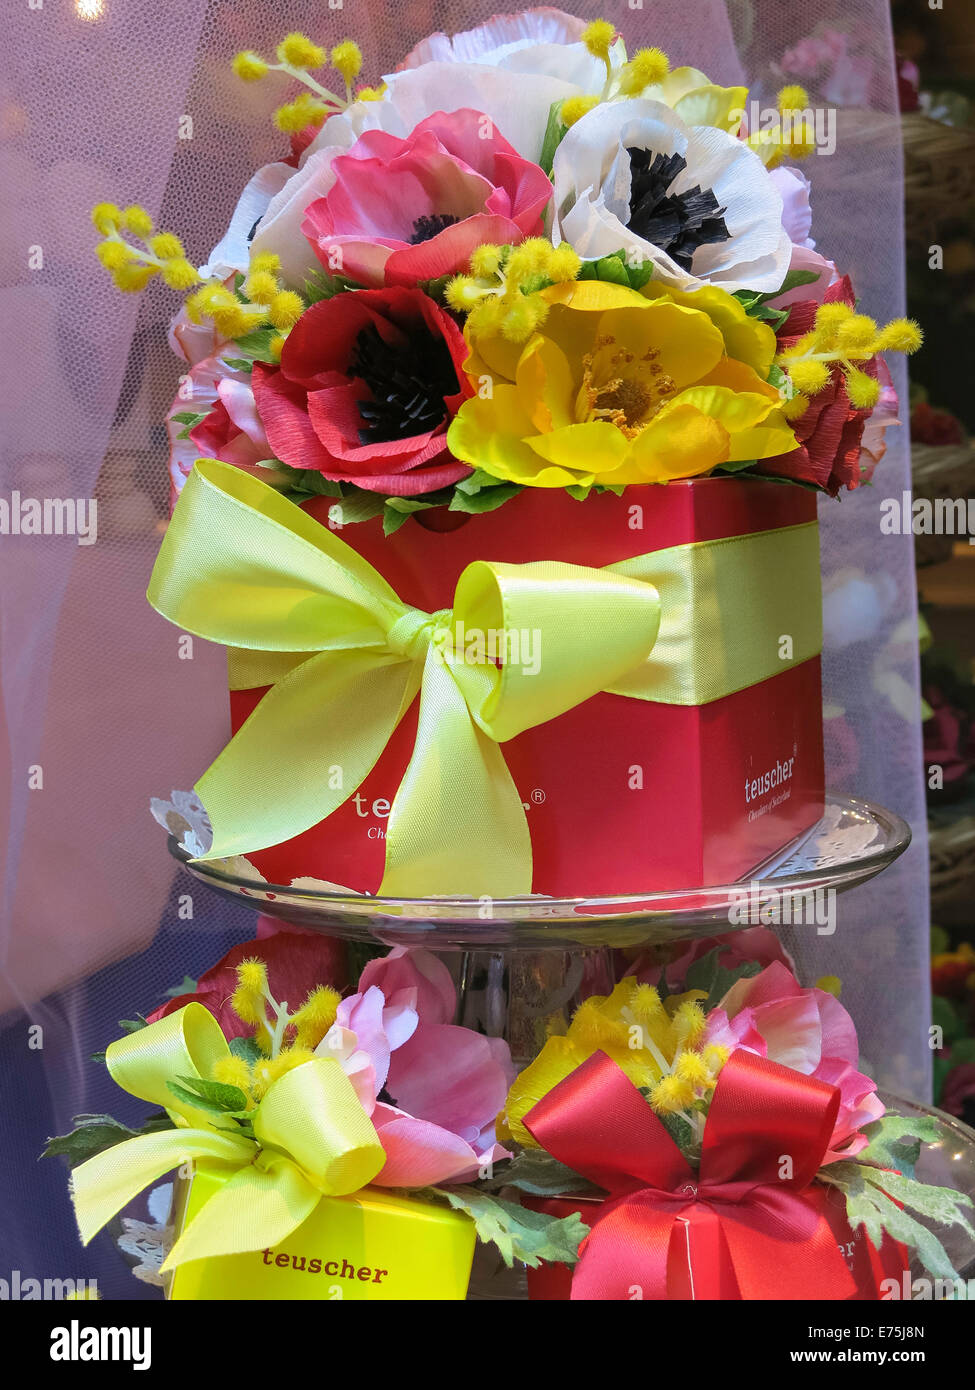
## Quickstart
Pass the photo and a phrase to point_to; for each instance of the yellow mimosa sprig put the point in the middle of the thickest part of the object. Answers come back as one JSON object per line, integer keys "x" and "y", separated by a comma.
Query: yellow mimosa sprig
{"x": 133, "y": 252}
{"x": 680, "y": 1070}
{"x": 278, "y": 1030}
{"x": 843, "y": 337}
{"x": 791, "y": 136}
{"x": 260, "y": 301}
{"x": 298, "y": 56}
{"x": 500, "y": 295}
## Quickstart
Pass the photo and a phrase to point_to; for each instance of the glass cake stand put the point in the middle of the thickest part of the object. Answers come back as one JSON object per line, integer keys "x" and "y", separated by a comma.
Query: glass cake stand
{"x": 855, "y": 840}
{"x": 522, "y": 964}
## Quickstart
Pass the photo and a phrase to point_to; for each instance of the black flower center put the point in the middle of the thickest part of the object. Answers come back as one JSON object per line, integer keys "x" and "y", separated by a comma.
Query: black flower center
{"x": 430, "y": 224}
{"x": 676, "y": 222}
{"x": 408, "y": 379}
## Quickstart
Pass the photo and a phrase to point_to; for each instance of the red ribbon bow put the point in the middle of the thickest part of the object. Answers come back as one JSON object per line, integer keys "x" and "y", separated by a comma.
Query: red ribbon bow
{"x": 746, "y": 1226}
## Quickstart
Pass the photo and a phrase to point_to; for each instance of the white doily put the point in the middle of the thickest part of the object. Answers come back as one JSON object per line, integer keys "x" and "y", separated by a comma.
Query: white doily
{"x": 149, "y": 1242}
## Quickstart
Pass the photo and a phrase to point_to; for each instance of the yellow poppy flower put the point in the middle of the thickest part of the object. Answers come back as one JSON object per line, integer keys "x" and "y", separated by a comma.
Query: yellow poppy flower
{"x": 618, "y": 387}
{"x": 644, "y": 1035}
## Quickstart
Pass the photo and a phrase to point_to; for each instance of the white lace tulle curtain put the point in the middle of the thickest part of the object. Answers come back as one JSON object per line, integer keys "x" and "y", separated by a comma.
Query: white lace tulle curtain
{"x": 136, "y": 103}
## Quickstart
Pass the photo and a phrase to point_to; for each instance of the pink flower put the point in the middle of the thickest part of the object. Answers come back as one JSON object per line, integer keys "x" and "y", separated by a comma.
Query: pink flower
{"x": 403, "y": 968}
{"x": 401, "y": 211}
{"x": 231, "y": 430}
{"x": 807, "y": 1030}
{"x": 441, "y": 1085}
{"x": 793, "y": 187}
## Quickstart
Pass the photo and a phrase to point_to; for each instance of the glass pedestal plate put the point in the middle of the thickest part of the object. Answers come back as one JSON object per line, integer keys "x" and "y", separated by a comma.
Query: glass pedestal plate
{"x": 523, "y": 964}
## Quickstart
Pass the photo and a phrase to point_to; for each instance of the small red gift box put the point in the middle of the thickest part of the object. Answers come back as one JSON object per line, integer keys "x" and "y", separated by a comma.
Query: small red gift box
{"x": 622, "y": 795}
{"x": 750, "y": 1221}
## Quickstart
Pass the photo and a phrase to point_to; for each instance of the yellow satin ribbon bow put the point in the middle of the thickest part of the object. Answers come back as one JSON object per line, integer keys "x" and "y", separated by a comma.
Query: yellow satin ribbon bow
{"x": 345, "y": 658}
{"x": 313, "y": 1139}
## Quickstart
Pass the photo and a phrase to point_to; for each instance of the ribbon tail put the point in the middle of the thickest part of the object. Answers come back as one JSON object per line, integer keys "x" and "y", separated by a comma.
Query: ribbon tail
{"x": 305, "y": 748}
{"x": 782, "y": 1247}
{"x": 256, "y": 1208}
{"x": 626, "y": 1255}
{"x": 457, "y": 824}
{"x": 103, "y": 1185}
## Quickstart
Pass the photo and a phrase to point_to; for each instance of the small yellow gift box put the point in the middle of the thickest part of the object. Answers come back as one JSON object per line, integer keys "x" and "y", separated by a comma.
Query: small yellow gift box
{"x": 369, "y": 1246}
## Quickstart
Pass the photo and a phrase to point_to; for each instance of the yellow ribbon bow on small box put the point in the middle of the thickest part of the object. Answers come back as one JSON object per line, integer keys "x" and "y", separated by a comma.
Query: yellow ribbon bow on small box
{"x": 312, "y": 1139}
{"x": 345, "y": 658}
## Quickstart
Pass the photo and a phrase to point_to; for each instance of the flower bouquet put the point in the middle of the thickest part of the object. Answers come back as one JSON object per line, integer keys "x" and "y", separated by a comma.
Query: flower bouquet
{"x": 715, "y": 1143}
{"x": 493, "y": 385}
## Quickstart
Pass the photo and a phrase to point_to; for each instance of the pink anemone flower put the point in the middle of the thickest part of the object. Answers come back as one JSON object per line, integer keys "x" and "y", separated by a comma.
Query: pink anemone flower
{"x": 403, "y": 211}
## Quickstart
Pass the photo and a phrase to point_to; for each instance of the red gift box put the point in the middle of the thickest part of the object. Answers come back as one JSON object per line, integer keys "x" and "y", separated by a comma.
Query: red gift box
{"x": 724, "y": 785}
{"x": 750, "y": 1221}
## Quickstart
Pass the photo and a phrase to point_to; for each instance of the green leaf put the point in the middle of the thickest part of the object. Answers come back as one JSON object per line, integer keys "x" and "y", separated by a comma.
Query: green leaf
{"x": 887, "y": 1148}
{"x": 580, "y": 492}
{"x": 94, "y": 1133}
{"x": 736, "y": 466}
{"x": 538, "y": 1173}
{"x": 792, "y": 281}
{"x": 248, "y": 1049}
{"x": 257, "y": 344}
{"x": 187, "y": 987}
{"x": 752, "y": 299}
{"x": 359, "y": 505}
{"x": 133, "y": 1025}
{"x": 679, "y": 1128}
{"x": 519, "y": 1234}
{"x": 477, "y": 480}
{"x": 393, "y": 519}
{"x": 486, "y": 500}
{"x": 618, "y": 270}
{"x": 709, "y": 974}
{"x": 308, "y": 480}
{"x": 872, "y": 1199}
{"x": 239, "y": 364}
{"x": 321, "y": 286}
{"x": 434, "y": 289}
{"x": 212, "y": 1096}
{"x": 778, "y": 378}
{"x": 554, "y": 134}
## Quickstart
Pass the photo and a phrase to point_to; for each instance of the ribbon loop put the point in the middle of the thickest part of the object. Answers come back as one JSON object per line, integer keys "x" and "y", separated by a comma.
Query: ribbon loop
{"x": 183, "y": 1044}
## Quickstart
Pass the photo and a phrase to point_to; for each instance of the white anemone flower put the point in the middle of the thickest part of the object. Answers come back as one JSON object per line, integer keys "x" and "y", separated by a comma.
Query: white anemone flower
{"x": 544, "y": 42}
{"x": 605, "y": 196}
{"x": 232, "y": 251}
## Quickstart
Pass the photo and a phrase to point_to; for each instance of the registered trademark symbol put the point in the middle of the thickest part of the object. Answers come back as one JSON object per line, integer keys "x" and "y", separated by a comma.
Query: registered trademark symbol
{"x": 538, "y": 796}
